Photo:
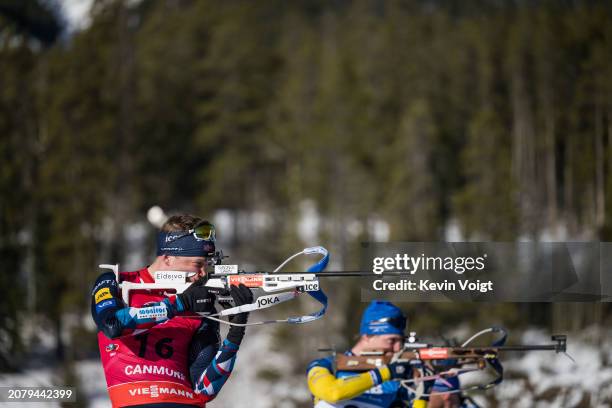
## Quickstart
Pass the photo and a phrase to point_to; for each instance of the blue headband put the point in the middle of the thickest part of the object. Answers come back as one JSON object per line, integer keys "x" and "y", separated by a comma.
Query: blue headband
{"x": 382, "y": 318}
{"x": 187, "y": 245}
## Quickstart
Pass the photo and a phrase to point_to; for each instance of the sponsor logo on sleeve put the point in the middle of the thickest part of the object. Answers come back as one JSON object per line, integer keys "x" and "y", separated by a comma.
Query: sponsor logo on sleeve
{"x": 153, "y": 312}
{"x": 105, "y": 282}
{"x": 105, "y": 305}
{"x": 102, "y": 294}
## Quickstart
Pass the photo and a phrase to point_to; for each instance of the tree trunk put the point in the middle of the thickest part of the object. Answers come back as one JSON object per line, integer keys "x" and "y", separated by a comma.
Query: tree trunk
{"x": 600, "y": 204}
{"x": 524, "y": 160}
{"x": 60, "y": 351}
{"x": 568, "y": 181}
{"x": 551, "y": 162}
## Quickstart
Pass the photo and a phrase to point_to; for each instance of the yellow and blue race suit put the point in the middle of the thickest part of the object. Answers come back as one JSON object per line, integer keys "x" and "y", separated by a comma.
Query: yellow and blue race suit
{"x": 348, "y": 389}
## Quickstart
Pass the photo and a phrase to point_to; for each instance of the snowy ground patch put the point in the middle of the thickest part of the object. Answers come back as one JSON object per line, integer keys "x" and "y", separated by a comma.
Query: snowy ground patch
{"x": 265, "y": 377}
{"x": 542, "y": 379}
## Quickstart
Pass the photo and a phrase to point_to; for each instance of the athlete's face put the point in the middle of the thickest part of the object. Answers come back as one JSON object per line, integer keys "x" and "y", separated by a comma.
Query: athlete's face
{"x": 388, "y": 343}
{"x": 194, "y": 264}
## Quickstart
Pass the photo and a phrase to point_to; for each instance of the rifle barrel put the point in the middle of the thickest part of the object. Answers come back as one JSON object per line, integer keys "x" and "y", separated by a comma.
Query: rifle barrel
{"x": 358, "y": 273}
{"x": 322, "y": 274}
{"x": 527, "y": 347}
{"x": 519, "y": 347}
{"x": 560, "y": 346}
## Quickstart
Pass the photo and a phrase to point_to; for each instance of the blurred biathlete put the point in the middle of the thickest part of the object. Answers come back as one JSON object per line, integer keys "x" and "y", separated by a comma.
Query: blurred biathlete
{"x": 382, "y": 328}
{"x": 155, "y": 351}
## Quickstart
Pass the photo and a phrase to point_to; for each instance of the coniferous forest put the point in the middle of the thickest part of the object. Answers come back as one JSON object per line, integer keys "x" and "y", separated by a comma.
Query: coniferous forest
{"x": 490, "y": 118}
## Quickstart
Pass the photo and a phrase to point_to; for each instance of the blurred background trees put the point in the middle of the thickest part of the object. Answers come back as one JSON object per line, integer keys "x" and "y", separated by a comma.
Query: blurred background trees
{"x": 350, "y": 120}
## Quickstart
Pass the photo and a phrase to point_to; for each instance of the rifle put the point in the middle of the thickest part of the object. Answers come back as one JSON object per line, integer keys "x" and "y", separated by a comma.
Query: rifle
{"x": 433, "y": 362}
{"x": 276, "y": 287}
{"x": 427, "y": 353}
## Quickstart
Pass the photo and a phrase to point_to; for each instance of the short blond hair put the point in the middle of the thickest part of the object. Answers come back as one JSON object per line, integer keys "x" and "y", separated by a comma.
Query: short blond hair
{"x": 181, "y": 222}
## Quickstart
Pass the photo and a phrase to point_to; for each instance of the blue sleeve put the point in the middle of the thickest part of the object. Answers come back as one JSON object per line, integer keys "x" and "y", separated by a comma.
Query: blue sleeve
{"x": 326, "y": 362}
{"x": 218, "y": 371}
{"x": 112, "y": 316}
{"x": 203, "y": 348}
{"x": 105, "y": 302}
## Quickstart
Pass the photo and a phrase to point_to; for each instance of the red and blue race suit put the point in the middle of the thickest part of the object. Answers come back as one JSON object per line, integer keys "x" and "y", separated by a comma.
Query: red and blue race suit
{"x": 153, "y": 353}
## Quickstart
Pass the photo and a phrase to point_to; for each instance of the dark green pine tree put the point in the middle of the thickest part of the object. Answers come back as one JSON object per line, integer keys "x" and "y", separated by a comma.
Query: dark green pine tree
{"x": 82, "y": 123}
{"x": 27, "y": 28}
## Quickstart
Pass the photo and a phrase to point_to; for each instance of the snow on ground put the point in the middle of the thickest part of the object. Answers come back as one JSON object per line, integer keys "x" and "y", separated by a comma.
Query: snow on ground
{"x": 92, "y": 383}
{"x": 30, "y": 378}
{"x": 542, "y": 379}
{"x": 89, "y": 372}
{"x": 254, "y": 383}
{"x": 262, "y": 379}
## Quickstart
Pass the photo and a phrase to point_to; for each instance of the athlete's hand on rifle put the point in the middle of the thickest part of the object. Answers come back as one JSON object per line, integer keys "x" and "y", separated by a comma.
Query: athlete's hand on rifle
{"x": 400, "y": 370}
{"x": 198, "y": 298}
{"x": 242, "y": 296}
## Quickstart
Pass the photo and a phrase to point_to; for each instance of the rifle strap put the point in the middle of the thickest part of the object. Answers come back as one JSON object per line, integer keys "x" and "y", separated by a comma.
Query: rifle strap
{"x": 318, "y": 295}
